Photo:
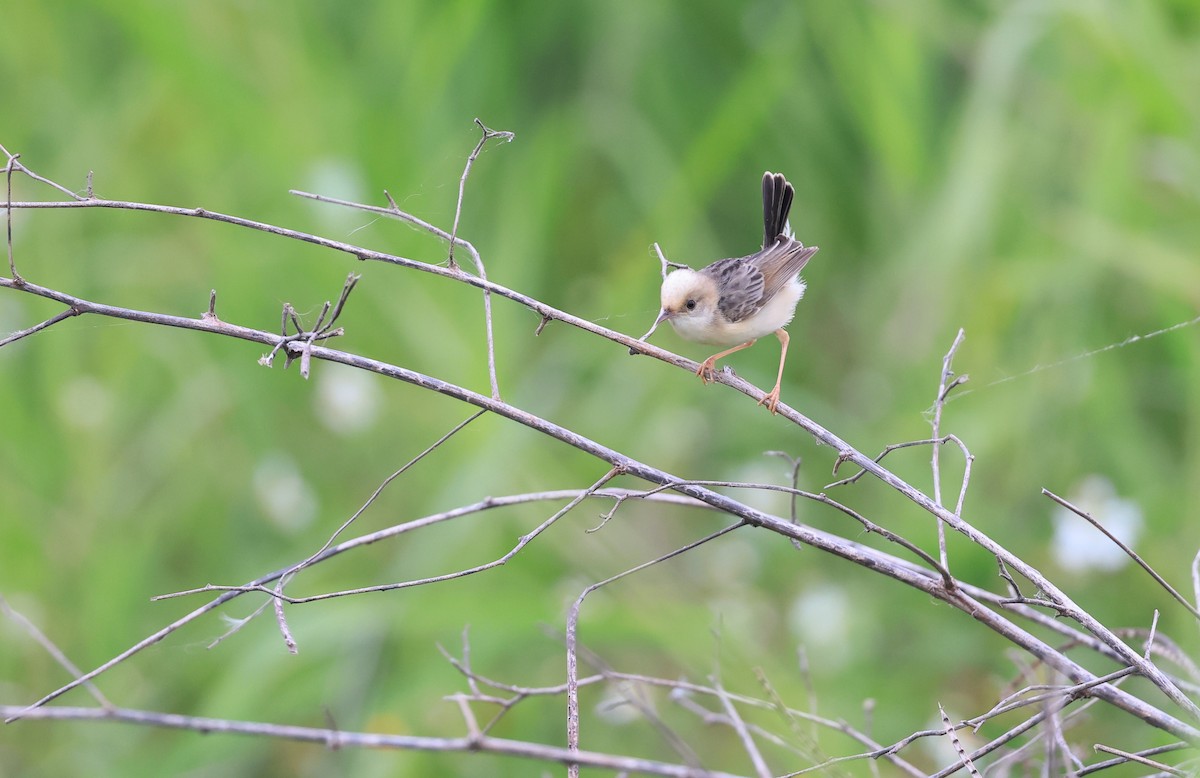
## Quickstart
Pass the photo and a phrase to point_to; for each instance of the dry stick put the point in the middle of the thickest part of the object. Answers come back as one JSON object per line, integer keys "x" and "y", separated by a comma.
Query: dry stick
{"x": 739, "y": 726}
{"x": 416, "y": 524}
{"x": 809, "y": 746}
{"x": 810, "y": 688}
{"x": 1015, "y": 700}
{"x": 68, "y": 313}
{"x": 8, "y": 174}
{"x": 488, "y": 134}
{"x": 1066, "y": 605}
{"x": 680, "y": 687}
{"x": 1128, "y": 551}
{"x": 964, "y": 760}
{"x": 1058, "y": 750}
{"x": 944, "y": 387}
{"x": 374, "y": 537}
{"x": 1132, "y": 757}
{"x": 1164, "y": 647}
{"x": 283, "y": 579}
{"x": 837, "y": 465}
{"x": 12, "y": 162}
{"x": 53, "y": 650}
{"x": 1098, "y": 766}
{"x": 629, "y": 694}
{"x": 466, "y": 659}
{"x": 341, "y": 739}
{"x": 1196, "y": 578}
{"x": 794, "y": 467}
{"x": 1150, "y": 639}
{"x": 573, "y": 629}
{"x": 862, "y": 555}
{"x": 968, "y": 459}
{"x": 1004, "y": 739}
{"x": 645, "y": 709}
{"x": 995, "y": 744}
{"x": 709, "y": 718}
{"x": 522, "y": 542}
{"x": 822, "y": 498}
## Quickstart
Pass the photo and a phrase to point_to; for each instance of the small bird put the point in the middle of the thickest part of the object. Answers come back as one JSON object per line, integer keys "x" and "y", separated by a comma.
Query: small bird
{"x": 734, "y": 302}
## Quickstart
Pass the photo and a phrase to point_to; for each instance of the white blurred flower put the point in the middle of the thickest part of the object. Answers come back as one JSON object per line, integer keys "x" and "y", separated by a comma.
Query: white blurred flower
{"x": 283, "y": 494}
{"x": 820, "y": 618}
{"x": 337, "y": 177}
{"x": 347, "y": 400}
{"x": 1080, "y": 547}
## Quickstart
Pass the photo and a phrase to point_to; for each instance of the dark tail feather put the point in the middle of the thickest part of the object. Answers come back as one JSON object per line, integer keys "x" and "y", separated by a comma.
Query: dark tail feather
{"x": 777, "y": 202}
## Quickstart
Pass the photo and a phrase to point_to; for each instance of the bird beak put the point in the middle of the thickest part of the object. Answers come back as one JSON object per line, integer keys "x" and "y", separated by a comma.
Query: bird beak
{"x": 662, "y": 316}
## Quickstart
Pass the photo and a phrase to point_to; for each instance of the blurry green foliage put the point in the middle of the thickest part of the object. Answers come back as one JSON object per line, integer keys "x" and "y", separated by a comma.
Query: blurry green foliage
{"x": 1026, "y": 170}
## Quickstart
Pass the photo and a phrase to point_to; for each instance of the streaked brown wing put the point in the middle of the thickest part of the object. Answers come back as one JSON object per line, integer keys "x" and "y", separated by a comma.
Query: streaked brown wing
{"x": 780, "y": 263}
{"x": 741, "y": 284}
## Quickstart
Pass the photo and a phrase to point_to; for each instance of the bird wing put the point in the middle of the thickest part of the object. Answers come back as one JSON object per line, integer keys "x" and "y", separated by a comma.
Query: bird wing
{"x": 741, "y": 285}
{"x": 780, "y": 263}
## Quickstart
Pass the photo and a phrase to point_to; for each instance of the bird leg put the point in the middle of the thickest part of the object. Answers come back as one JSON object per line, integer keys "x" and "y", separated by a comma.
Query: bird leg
{"x": 772, "y": 398}
{"x": 705, "y": 371}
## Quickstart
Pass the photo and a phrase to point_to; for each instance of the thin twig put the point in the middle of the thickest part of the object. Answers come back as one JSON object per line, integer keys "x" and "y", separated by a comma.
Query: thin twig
{"x": 944, "y": 387}
{"x": 1167, "y": 749}
{"x": 794, "y": 467}
{"x": 55, "y": 319}
{"x": 53, "y": 650}
{"x": 1128, "y": 551}
{"x": 837, "y": 465}
{"x": 488, "y": 134}
{"x": 372, "y": 740}
{"x": 1132, "y": 757}
{"x": 963, "y": 759}
{"x": 739, "y": 726}
{"x": 9, "y": 167}
{"x": 286, "y": 577}
{"x": 573, "y": 629}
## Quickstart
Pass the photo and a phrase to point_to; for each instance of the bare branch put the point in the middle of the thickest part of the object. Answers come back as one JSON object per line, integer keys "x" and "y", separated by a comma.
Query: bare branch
{"x": 55, "y": 319}
{"x": 963, "y": 759}
{"x": 1122, "y": 760}
{"x": 343, "y": 739}
{"x": 8, "y": 174}
{"x": 1132, "y": 757}
{"x": 1128, "y": 551}
{"x": 944, "y": 387}
{"x": 46, "y": 643}
{"x": 488, "y": 134}
{"x": 739, "y": 726}
{"x": 573, "y": 628}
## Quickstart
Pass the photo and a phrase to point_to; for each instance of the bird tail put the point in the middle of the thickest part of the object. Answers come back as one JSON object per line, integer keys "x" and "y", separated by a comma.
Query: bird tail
{"x": 777, "y": 202}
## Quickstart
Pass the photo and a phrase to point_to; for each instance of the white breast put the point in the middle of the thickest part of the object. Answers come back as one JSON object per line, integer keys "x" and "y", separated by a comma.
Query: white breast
{"x": 776, "y": 314}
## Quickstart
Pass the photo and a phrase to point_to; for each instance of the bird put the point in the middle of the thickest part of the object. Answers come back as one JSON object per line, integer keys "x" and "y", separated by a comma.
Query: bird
{"x": 734, "y": 302}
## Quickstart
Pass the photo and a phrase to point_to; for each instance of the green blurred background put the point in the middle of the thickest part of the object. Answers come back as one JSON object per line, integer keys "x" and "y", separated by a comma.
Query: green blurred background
{"x": 1028, "y": 171}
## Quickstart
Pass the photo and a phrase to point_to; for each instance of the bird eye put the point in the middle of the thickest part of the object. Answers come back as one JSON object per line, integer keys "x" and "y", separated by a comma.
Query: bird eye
{"x": 690, "y": 305}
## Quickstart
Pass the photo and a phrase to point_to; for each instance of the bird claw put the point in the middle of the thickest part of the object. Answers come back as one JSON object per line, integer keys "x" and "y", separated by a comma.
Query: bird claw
{"x": 771, "y": 400}
{"x": 706, "y": 372}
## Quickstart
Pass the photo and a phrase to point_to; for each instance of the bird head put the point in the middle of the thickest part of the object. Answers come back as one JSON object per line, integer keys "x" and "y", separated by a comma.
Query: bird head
{"x": 689, "y": 302}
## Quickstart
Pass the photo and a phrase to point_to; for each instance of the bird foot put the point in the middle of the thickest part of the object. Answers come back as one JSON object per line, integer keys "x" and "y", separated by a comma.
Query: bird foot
{"x": 771, "y": 400}
{"x": 706, "y": 370}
